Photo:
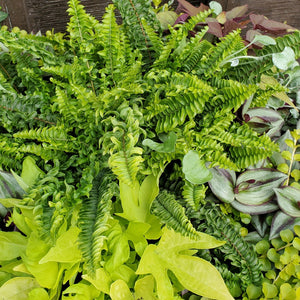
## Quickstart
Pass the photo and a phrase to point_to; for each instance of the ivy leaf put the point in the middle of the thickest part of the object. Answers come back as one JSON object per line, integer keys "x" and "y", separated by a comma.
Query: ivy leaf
{"x": 119, "y": 290}
{"x": 194, "y": 168}
{"x": 194, "y": 273}
{"x": 38, "y": 294}
{"x": 167, "y": 146}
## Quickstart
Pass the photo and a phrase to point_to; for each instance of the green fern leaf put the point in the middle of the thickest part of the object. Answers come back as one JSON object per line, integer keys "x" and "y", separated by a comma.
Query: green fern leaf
{"x": 94, "y": 218}
{"x": 170, "y": 212}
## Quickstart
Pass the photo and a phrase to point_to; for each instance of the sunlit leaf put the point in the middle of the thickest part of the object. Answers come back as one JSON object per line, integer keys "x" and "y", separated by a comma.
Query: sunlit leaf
{"x": 18, "y": 288}
{"x": 119, "y": 290}
{"x": 12, "y": 245}
{"x": 216, "y": 7}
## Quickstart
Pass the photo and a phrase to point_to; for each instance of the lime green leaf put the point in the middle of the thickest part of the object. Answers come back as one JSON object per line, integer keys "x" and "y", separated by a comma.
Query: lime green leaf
{"x": 38, "y": 294}
{"x": 290, "y": 143}
{"x": 30, "y": 171}
{"x": 80, "y": 291}
{"x": 45, "y": 273}
{"x": 101, "y": 280}
{"x": 284, "y": 168}
{"x": 194, "y": 168}
{"x": 195, "y": 274}
{"x": 18, "y": 288}
{"x": 136, "y": 233}
{"x": 136, "y": 200}
{"x": 66, "y": 248}
{"x": 286, "y": 155}
{"x": 119, "y": 290}
{"x": 12, "y": 245}
{"x": 144, "y": 288}
{"x": 296, "y": 174}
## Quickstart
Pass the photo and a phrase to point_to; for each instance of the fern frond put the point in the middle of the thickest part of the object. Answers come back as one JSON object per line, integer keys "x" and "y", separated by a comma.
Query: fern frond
{"x": 193, "y": 194}
{"x": 111, "y": 41}
{"x": 185, "y": 96}
{"x": 211, "y": 220}
{"x": 191, "y": 59}
{"x": 93, "y": 220}
{"x": 229, "y": 45}
{"x": 132, "y": 12}
{"x": 171, "y": 213}
{"x": 194, "y": 20}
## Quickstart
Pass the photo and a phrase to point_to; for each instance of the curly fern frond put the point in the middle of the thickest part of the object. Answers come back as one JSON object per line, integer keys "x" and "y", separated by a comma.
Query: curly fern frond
{"x": 193, "y": 194}
{"x": 94, "y": 218}
{"x": 211, "y": 220}
{"x": 171, "y": 213}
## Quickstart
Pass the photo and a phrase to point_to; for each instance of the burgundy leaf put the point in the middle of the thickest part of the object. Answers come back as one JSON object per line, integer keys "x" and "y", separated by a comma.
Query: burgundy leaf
{"x": 262, "y": 23}
{"x": 190, "y": 9}
{"x": 215, "y": 28}
{"x": 230, "y": 26}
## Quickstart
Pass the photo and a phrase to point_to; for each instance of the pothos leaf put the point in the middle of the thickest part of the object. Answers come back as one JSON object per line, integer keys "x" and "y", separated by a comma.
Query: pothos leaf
{"x": 194, "y": 168}
{"x": 194, "y": 273}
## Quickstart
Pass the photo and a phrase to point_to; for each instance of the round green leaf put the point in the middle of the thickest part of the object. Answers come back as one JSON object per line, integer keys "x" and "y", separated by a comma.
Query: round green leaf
{"x": 194, "y": 168}
{"x": 216, "y": 7}
{"x": 285, "y": 59}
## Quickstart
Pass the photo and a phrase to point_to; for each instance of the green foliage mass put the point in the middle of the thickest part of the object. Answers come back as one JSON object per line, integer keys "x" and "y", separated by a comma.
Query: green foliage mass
{"x": 82, "y": 106}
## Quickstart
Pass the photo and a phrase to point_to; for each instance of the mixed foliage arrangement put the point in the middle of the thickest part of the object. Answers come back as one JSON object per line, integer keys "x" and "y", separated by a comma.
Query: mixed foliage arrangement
{"x": 131, "y": 154}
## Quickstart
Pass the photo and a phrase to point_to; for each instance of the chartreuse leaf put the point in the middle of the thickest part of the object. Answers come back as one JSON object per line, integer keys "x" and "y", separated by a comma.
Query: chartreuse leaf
{"x": 144, "y": 288}
{"x": 17, "y": 288}
{"x": 137, "y": 199}
{"x": 12, "y": 245}
{"x": 80, "y": 291}
{"x": 194, "y": 273}
{"x": 38, "y": 294}
{"x": 194, "y": 168}
{"x": 45, "y": 273}
{"x": 119, "y": 290}
{"x": 101, "y": 280}
{"x": 66, "y": 248}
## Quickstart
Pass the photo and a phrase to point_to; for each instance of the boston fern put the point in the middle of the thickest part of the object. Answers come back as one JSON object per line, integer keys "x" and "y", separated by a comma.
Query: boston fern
{"x": 90, "y": 121}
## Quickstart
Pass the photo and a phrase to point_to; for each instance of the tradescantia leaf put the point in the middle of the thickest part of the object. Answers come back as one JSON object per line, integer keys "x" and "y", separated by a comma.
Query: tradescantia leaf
{"x": 255, "y": 186}
{"x": 288, "y": 199}
{"x": 194, "y": 273}
{"x": 194, "y": 168}
{"x": 9, "y": 187}
{"x": 264, "y": 208}
{"x": 222, "y": 184}
{"x": 280, "y": 222}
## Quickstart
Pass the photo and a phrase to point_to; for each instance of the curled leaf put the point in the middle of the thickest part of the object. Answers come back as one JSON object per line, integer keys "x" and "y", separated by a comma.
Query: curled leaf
{"x": 288, "y": 199}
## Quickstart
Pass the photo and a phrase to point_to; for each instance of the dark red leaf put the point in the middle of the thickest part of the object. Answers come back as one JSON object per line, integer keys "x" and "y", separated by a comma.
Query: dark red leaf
{"x": 190, "y": 9}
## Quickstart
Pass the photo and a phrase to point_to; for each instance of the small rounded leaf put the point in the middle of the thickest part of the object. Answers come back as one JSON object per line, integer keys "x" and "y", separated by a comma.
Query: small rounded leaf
{"x": 194, "y": 168}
